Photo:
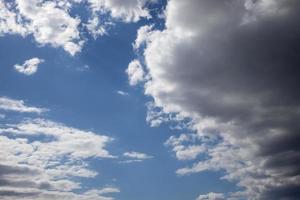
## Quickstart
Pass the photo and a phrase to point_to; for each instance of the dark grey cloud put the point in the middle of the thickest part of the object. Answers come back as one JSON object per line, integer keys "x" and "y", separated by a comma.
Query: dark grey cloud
{"x": 236, "y": 62}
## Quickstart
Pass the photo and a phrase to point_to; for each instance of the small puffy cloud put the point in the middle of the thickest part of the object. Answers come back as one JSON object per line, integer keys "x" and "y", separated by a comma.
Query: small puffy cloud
{"x": 137, "y": 155}
{"x": 134, "y": 156}
{"x": 122, "y": 93}
{"x": 108, "y": 190}
{"x": 30, "y": 66}
{"x": 135, "y": 72}
{"x": 9, "y": 104}
{"x": 211, "y": 196}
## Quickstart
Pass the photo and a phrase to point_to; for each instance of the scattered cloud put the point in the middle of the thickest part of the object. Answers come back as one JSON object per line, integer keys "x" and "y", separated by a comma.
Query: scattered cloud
{"x": 126, "y": 10}
{"x": 108, "y": 190}
{"x": 185, "y": 148}
{"x": 137, "y": 155}
{"x": 135, "y": 72}
{"x": 211, "y": 196}
{"x": 51, "y": 22}
{"x": 9, "y": 104}
{"x": 142, "y": 37}
{"x": 120, "y": 92}
{"x": 40, "y": 158}
{"x": 134, "y": 156}
{"x": 83, "y": 68}
{"x": 46, "y": 21}
{"x": 213, "y": 63}
{"x": 29, "y": 67}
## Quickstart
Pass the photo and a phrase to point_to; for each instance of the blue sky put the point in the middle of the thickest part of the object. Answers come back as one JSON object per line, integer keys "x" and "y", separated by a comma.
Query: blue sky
{"x": 143, "y": 99}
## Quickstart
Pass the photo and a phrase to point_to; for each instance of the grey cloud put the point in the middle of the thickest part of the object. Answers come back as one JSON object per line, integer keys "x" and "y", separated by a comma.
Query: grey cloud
{"x": 8, "y": 169}
{"x": 237, "y": 64}
{"x": 10, "y": 193}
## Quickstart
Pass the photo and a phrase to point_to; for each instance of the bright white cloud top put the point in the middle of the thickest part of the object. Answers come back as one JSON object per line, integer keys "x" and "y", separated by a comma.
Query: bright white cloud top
{"x": 135, "y": 72}
{"x": 29, "y": 67}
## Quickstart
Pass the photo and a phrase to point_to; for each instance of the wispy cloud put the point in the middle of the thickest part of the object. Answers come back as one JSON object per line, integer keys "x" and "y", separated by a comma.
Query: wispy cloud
{"x": 9, "y": 104}
{"x": 120, "y": 92}
{"x": 134, "y": 156}
{"x": 211, "y": 196}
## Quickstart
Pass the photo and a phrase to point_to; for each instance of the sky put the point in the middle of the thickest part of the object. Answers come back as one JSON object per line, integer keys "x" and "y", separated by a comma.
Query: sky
{"x": 149, "y": 99}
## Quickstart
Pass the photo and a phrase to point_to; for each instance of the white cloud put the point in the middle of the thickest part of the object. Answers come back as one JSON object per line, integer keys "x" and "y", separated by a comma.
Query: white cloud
{"x": 45, "y": 20}
{"x": 9, "y": 104}
{"x": 10, "y": 21}
{"x": 40, "y": 158}
{"x": 211, "y": 196}
{"x": 135, "y": 72}
{"x": 109, "y": 190}
{"x": 134, "y": 156}
{"x": 126, "y": 10}
{"x": 137, "y": 155}
{"x": 51, "y": 25}
{"x": 51, "y": 22}
{"x": 66, "y": 140}
{"x": 143, "y": 35}
{"x": 120, "y": 92}
{"x": 185, "y": 148}
{"x": 30, "y": 66}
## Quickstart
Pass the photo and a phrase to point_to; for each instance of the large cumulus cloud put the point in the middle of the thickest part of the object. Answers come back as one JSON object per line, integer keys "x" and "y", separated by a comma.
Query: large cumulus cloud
{"x": 233, "y": 68}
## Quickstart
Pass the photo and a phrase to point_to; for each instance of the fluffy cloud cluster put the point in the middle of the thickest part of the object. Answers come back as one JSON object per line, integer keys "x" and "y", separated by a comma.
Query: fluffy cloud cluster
{"x": 231, "y": 67}
{"x": 40, "y": 158}
{"x": 30, "y": 66}
{"x": 50, "y": 22}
